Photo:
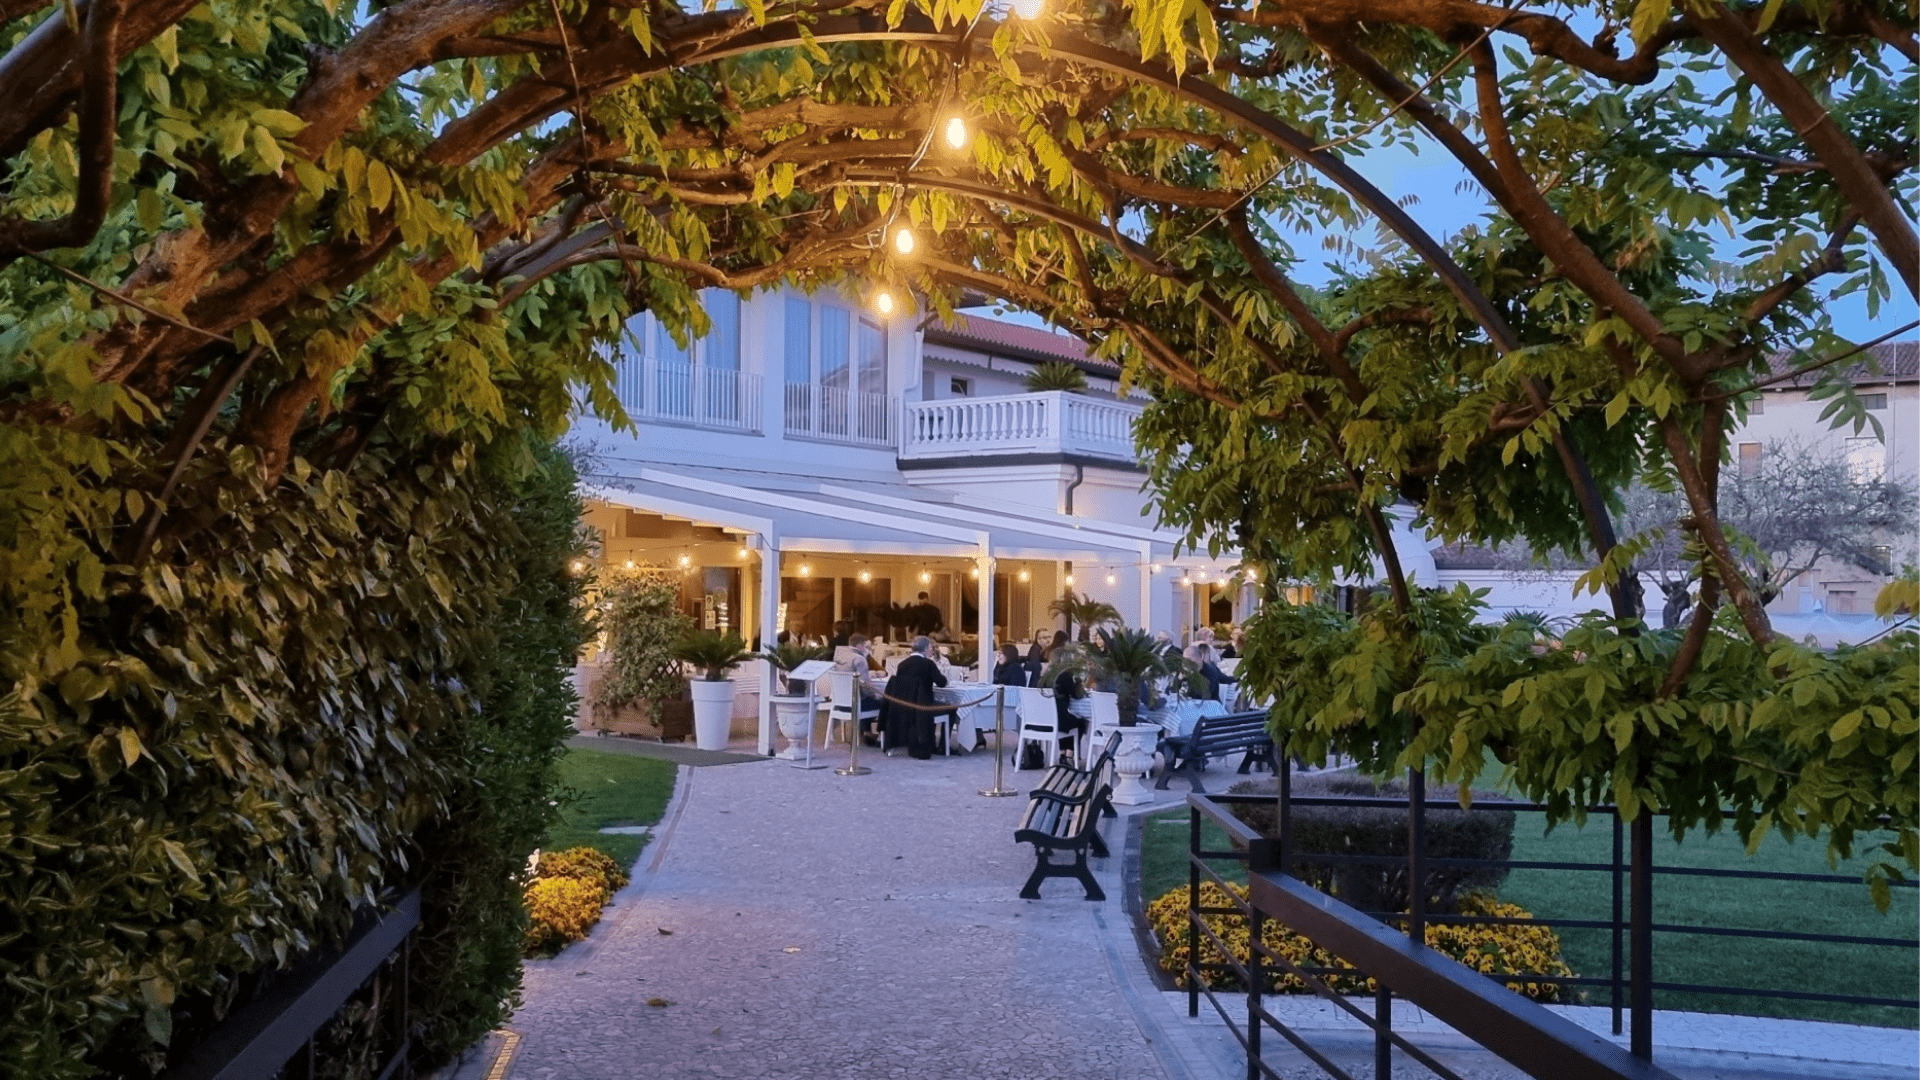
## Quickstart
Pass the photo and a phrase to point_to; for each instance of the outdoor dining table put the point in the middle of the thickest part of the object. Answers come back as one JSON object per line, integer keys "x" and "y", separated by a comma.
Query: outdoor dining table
{"x": 974, "y": 718}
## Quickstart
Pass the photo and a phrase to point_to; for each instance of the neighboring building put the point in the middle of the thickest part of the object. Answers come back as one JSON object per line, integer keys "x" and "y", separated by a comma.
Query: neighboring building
{"x": 1830, "y": 603}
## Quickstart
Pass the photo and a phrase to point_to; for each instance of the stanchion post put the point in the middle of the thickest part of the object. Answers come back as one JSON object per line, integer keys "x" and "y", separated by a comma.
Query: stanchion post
{"x": 853, "y": 766}
{"x": 999, "y": 787}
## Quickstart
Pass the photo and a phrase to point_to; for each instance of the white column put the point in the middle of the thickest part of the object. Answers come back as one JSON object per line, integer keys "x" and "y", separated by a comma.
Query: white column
{"x": 1144, "y": 571}
{"x": 769, "y": 629}
{"x": 988, "y": 646}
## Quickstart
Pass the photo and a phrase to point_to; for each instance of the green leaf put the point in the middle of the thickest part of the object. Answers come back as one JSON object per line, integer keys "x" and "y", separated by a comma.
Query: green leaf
{"x": 1648, "y": 17}
{"x": 130, "y": 746}
{"x": 178, "y": 856}
{"x": 267, "y": 150}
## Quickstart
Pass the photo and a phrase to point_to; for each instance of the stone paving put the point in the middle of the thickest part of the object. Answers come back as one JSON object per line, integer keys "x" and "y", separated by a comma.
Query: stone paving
{"x": 800, "y": 924}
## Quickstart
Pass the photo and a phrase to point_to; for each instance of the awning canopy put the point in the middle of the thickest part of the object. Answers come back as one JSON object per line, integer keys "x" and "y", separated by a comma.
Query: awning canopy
{"x": 829, "y": 519}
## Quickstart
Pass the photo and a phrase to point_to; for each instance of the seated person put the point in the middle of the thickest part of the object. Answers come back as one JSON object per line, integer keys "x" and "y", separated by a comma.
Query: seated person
{"x": 859, "y": 660}
{"x": 1011, "y": 670}
{"x": 911, "y": 705}
{"x": 1205, "y": 656}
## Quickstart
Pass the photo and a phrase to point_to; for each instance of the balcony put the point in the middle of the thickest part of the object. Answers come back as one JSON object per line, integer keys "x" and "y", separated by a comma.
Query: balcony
{"x": 1053, "y": 423}
{"x": 698, "y": 396}
{"x": 835, "y": 414}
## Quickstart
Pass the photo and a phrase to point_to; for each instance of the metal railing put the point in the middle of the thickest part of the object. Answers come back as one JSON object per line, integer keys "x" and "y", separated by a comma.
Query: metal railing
{"x": 1397, "y": 959}
{"x": 835, "y": 414}
{"x": 275, "y": 1034}
{"x": 693, "y": 394}
{"x": 1053, "y": 422}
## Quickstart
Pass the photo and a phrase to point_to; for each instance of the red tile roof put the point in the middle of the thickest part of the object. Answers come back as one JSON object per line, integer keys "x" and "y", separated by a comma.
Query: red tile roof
{"x": 1016, "y": 341}
{"x": 1893, "y": 361}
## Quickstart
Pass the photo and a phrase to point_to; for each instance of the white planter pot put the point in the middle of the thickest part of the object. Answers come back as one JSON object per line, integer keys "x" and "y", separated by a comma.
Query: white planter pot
{"x": 795, "y": 716}
{"x": 1132, "y": 761}
{"x": 712, "y": 712}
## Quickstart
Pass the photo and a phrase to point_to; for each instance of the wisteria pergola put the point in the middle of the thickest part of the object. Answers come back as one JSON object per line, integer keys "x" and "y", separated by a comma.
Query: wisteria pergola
{"x": 283, "y": 283}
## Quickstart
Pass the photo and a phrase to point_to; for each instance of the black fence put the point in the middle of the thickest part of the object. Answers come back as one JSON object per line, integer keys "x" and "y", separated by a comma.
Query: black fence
{"x": 278, "y": 1033}
{"x": 1382, "y": 945}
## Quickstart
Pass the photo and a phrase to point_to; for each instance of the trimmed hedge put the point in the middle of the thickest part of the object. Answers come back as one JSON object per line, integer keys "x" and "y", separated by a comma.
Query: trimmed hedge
{"x": 1382, "y": 831}
{"x": 1490, "y": 949}
{"x": 349, "y": 684}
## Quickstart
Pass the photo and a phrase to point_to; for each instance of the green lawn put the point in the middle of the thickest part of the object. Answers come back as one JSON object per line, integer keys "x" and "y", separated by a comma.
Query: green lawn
{"x": 609, "y": 789}
{"x": 1807, "y": 907}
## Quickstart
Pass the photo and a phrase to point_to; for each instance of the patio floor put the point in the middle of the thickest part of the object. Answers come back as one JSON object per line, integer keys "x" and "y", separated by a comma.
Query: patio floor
{"x": 805, "y": 925}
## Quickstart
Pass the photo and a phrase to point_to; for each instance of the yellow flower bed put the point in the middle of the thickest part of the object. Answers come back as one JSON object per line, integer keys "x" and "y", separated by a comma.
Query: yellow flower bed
{"x": 1491, "y": 949}
{"x": 565, "y": 897}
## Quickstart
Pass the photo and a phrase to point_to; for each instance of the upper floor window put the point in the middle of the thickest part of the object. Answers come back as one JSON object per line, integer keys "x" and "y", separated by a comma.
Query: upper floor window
{"x": 836, "y": 373}
{"x": 1874, "y": 401}
{"x": 960, "y": 387}
{"x": 699, "y": 383}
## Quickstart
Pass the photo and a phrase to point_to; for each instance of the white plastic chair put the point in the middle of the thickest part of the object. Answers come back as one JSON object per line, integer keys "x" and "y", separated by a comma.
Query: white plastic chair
{"x": 1230, "y": 666}
{"x": 1105, "y": 718}
{"x": 1039, "y": 723}
{"x": 844, "y": 699}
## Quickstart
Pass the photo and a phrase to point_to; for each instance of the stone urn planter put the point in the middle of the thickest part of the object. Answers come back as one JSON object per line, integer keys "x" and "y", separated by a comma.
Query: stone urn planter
{"x": 1132, "y": 762}
{"x": 712, "y": 712}
{"x": 794, "y": 715}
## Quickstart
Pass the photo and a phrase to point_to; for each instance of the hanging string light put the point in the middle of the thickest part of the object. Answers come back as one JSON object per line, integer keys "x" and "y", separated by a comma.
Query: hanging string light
{"x": 805, "y": 570}
{"x": 1111, "y": 580}
{"x": 866, "y": 576}
{"x": 1023, "y": 573}
{"x": 686, "y": 560}
{"x": 925, "y": 577}
{"x": 883, "y": 302}
{"x": 956, "y": 132}
{"x": 903, "y": 240}
{"x": 1069, "y": 579}
{"x": 579, "y": 566}
{"x": 629, "y": 564}
{"x": 742, "y": 553}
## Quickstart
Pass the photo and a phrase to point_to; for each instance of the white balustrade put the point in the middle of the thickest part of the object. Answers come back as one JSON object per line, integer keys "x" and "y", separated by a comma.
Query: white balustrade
{"x": 664, "y": 390}
{"x": 1046, "y": 423}
{"x": 836, "y": 414}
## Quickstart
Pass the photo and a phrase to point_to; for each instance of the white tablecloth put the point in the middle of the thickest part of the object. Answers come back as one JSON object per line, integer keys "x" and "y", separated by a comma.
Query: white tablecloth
{"x": 1178, "y": 717}
{"x": 977, "y": 717}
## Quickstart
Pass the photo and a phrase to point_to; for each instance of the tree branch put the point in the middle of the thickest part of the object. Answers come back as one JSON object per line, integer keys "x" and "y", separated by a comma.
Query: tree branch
{"x": 99, "y": 113}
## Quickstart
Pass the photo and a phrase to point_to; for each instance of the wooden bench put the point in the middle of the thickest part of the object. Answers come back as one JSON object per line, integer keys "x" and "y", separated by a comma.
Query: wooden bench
{"x": 1067, "y": 783}
{"x": 1063, "y": 814}
{"x": 1217, "y": 736}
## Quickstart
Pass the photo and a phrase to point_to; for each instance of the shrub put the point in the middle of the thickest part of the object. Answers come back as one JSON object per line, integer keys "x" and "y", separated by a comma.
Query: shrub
{"x": 1489, "y": 949}
{"x": 641, "y": 622}
{"x": 1355, "y": 830}
{"x": 561, "y": 910}
{"x": 585, "y": 863}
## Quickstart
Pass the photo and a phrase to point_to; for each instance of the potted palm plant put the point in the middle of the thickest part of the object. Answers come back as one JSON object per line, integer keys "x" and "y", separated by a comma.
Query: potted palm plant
{"x": 712, "y": 655}
{"x": 1082, "y": 610}
{"x": 1125, "y": 662}
{"x": 791, "y": 709}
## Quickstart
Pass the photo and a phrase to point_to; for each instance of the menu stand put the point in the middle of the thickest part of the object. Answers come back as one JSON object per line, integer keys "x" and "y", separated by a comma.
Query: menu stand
{"x": 809, "y": 673}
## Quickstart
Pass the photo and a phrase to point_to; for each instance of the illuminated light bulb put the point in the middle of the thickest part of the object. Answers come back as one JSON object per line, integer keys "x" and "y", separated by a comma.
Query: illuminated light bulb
{"x": 925, "y": 577}
{"x": 685, "y": 559}
{"x": 903, "y": 240}
{"x": 883, "y": 300}
{"x": 1156, "y": 568}
{"x": 974, "y": 573}
{"x": 1069, "y": 579}
{"x": 956, "y": 133}
{"x": 742, "y": 553}
{"x": 629, "y": 564}
{"x": 1028, "y": 9}
{"x": 1253, "y": 574}
{"x": 805, "y": 570}
{"x": 1023, "y": 575}
{"x": 1111, "y": 579}
{"x": 579, "y": 565}
{"x": 866, "y": 576}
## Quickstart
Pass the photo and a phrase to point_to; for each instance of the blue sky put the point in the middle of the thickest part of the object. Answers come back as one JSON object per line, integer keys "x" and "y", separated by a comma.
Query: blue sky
{"x": 1434, "y": 179}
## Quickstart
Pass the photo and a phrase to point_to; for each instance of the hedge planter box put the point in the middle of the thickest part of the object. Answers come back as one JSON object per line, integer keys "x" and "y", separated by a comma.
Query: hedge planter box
{"x": 712, "y": 712}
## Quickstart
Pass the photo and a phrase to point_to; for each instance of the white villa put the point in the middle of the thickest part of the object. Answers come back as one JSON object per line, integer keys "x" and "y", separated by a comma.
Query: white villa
{"x": 809, "y": 463}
